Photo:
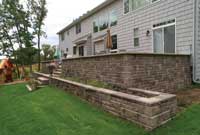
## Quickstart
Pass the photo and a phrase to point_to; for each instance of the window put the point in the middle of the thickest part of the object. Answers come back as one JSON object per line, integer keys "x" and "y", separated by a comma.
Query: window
{"x": 164, "y": 39}
{"x": 126, "y": 6}
{"x": 103, "y": 22}
{"x": 154, "y": 1}
{"x": 62, "y": 36}
{"x": 95, "y": 26}
{"x": 74, "y": 50}
{"x": 113, "y": 18}
{"x": 139, "y": 3}
{"x": 135, "y": 4}
{"x": 68, "y": 33}
{"x": 78, "y": 28}
{"x": 114, "y": 42}
{"x": 136, "y": 37}
{"x": 81, "y": 51}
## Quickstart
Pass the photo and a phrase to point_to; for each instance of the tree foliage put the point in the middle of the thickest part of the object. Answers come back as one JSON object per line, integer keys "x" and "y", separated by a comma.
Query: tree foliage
{"x": 48, "y": 52}
{"x": 20, "y": 25}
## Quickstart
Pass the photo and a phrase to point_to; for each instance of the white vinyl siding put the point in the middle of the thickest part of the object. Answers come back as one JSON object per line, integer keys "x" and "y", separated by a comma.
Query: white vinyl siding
{"x": 142, "y": 18}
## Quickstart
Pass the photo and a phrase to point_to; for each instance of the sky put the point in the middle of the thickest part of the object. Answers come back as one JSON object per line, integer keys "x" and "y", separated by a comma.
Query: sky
{"x": 63, "y": 12}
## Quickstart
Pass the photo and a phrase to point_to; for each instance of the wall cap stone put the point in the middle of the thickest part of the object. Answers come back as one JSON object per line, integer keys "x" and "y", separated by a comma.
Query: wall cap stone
{"x": 127, "y": 53}
{"x": 158, "y": 98}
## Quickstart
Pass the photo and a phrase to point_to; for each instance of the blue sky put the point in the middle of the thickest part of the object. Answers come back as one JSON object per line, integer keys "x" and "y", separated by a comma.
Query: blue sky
{"x": 63, "y": 12}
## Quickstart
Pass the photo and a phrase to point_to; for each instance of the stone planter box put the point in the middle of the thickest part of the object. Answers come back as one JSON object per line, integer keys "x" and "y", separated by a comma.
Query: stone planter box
{"x": 146, "y": 108}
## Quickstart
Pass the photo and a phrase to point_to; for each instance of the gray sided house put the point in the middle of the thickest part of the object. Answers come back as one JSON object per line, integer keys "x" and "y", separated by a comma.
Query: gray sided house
{"x": 139, "y": 26}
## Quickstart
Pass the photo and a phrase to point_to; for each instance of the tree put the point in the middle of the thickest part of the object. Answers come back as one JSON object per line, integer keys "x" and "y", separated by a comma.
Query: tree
{"x": 48, "y": 52}
{"x": 39, "y": 13}
{"x": 7, "y": 35}
{"x": 17, "y": 25}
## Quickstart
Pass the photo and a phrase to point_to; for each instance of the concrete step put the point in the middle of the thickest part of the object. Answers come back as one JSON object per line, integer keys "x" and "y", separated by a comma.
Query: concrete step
{"x": 56, "y": 75}
{"x": 39, "y": 82}
{"x": 29, "y": 88}
{"x": 57, "y": 72}
{"x": 43, "y": 80}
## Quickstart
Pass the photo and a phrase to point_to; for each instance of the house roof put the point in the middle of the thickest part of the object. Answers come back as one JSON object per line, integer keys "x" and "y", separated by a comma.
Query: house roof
{"x": 86, "y": 15}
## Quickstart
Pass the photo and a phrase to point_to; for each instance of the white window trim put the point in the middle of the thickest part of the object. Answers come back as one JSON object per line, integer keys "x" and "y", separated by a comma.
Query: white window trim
{"x": 161, "y": 27}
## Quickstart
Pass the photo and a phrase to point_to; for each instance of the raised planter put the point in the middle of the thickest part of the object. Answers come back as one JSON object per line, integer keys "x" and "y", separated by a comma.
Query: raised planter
{"x": 146, "y": 108}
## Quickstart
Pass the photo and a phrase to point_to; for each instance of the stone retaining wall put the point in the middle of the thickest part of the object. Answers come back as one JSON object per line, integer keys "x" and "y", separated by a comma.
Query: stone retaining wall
{"x": 44, "y": 67}
{"x": 150, "y": 110}
{"x": 157, "y": 72}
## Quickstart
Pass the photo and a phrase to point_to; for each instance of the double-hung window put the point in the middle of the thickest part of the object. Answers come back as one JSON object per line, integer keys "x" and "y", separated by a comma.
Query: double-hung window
{"x": 114, "y": 42}
{"x": 113, "y": 18}
{"x": 139, "y": 3}
{"x": 78, "y": 28}
{"x": 164, "y": 37}
{"x": 96, "y": 26}
{"x": 130, "y": 5}
{"x": 136, "y": 37}
{"x": 126, "y": 6}
{"x": 103, "y": 22}
{"x": 81, "y": 50}
{"x": 74, "y": 50}
{"x": 62, "y": 36}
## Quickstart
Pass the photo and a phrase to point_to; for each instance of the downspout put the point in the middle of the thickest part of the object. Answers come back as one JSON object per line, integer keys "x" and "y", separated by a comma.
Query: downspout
{"x": 194, "y": 40}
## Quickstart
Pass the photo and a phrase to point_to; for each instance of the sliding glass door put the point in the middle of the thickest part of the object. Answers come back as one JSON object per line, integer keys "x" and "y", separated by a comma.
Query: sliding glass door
{"x": 164, "y": 39}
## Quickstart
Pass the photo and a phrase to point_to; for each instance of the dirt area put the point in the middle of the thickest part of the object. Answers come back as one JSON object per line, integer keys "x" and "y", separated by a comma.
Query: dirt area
{"x": 188, "y": 96}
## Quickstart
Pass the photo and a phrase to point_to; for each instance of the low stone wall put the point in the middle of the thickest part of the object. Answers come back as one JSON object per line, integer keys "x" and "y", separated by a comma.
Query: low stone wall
{"x": 157, "y": 72}
{"x": 146, "y": 108}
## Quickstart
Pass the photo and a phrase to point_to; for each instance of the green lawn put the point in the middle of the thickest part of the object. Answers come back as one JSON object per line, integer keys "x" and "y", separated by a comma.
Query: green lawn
{"x": 53, "y": 112}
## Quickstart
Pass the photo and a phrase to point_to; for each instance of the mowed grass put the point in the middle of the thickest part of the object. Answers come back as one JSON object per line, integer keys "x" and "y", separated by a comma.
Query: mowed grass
{"x": 53, "y": 112}
{"x": 50, "y": 111}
